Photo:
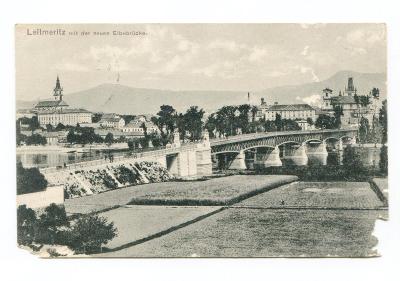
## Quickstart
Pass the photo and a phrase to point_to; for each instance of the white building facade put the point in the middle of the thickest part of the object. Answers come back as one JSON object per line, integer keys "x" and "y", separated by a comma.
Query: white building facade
{"x": 57, "y": 111}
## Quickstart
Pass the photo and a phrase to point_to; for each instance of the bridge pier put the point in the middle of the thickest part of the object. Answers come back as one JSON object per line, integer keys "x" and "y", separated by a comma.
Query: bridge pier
{"x": 298, "y": 155}
{"x": 238, "y": 162}
{"x": 265, "y": 159}
{"x": 317, "y": 153}
{"x": 340, "y": 145}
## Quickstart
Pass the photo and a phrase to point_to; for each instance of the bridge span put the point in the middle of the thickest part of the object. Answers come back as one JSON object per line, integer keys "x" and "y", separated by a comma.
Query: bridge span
{"x": 268, "y": 149}
{"x": 265, "y": 149}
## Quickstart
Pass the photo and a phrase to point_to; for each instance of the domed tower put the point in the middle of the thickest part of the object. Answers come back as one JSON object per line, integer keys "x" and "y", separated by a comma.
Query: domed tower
{"x": 57, "y": 92}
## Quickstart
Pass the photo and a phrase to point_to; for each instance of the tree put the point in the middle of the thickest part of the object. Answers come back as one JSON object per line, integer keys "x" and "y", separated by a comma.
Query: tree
{"x": 352, "y": 162}
{"x": 278, "y": 122}
{"x": 375, "y": 92}
{"x": 26, "y": 224}
{"x": 50, "y": 222}
{"x": 226, "y": 124}
{"x": 131, "y": 145}
{"x": 71, "y": 138}
{"x": 243, "y": 118}
{"x": 383, "y": 121}
{"x": 310, "y": 121}
{"x": 89, "y": 233}
{"x": 60, "y": 127}
{"x": 29, "y": 180}
{"x": 338, "y": 112}
{"x": 166, "y": 122}
{"x": 155, "y": 140}
{"x": 35, "y": 139}
{"x": 83, "y": 135}
{"x": 193, "y": 123}
{"x": 109, "y": 139}
{"x": 211, "y": 125}
{"x": 363, "y": 130}
{"x": 19, "y": 136}
{"x": 290, "y": 125}
{"x": 383, "y": 162}
{"x": 33, "y": 122}
{"x": 269, "y": 126}
{"x": 96, "y": 117}
{"x": 325, "y": 122}
{"x": 49, "y": 128}
{"x": 254, "y": 110}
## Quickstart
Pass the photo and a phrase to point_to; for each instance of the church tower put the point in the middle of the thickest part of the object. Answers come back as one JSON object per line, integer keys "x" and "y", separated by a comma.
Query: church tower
{"x": 58, "y": 90}
{"x": 350, "y": 90}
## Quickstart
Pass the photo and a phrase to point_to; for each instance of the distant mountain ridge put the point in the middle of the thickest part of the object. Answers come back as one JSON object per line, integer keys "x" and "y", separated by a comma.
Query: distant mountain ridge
{"x": 128, "y": 100}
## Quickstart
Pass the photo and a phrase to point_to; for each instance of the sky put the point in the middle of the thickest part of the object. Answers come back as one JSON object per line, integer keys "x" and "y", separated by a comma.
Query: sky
{"x": 244, "y": 57}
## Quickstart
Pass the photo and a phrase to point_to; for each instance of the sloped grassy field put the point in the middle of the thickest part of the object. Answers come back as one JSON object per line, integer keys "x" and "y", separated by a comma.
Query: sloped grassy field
{"x": 261, "y": 227}
{"x": 214, "y": 192}
{"x": 267, "y": 233}
{"x": 211, "y": 192}
{"x": 347, "y": 195}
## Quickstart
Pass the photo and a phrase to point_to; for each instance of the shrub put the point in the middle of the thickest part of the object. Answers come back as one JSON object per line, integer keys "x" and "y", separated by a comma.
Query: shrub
{"x": 29, "y": 180}
{"x": 51, "y": 222}
{"x": 89, "y": 233}
{"x": 26, "y": 225}
{"x": 383, "y": 162}
{"x": 126, "y": 175}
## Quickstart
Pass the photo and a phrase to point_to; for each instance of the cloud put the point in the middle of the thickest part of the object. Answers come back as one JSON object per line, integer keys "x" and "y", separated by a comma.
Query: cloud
{"x": 225, "y": 70}
{"x": 68, "y": 66}
{"x": 257, "y": 53}
{"x": 304, "y": 70}
{"x": 362, "y": 36}
{"x": 276, "y": 73}
{"x": 312, "y": 100}
{"x": 305, "y": 50}
{"x": 225, "y": 45}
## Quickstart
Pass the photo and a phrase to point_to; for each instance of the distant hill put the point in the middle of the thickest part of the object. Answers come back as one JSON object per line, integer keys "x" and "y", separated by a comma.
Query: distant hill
{"x": 25, "y": 104}
{"x": 127, "y": 100}
{"x": 308, "y": 93}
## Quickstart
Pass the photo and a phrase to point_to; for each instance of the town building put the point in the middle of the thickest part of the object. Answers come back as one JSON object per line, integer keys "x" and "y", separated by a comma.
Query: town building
{"x": 117, "y": 133}
{"x": 112, "y": 120}
{"x": 137, "y": 127}
{"x": 304, "y": 125}
{"x": 287, "y": 111}
{"x": 25, "y": 113}
{"x": 57, "y": 111}
{"x": 262, "y": 109}
{"x": 351, "y": 104}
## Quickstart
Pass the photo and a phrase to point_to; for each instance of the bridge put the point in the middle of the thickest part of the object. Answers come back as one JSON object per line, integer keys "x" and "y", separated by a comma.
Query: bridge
{"x": 261, "y": 149}
{"x": 268, "y": 149}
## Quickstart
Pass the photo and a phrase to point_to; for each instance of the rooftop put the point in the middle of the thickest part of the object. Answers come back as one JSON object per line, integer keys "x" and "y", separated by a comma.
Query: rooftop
{"x": 343, "y": 99}
{"x": 64, "y": 111}
{"x": 290, "y": 107}
{"x": 50, "y": 103}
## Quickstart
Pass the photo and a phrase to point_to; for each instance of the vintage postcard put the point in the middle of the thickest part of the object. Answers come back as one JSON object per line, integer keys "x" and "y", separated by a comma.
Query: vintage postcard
{"x": 201, "y": 140}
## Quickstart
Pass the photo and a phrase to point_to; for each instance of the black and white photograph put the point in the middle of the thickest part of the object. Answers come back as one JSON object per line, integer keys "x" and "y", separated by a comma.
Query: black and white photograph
{"x": 223, "y": 140}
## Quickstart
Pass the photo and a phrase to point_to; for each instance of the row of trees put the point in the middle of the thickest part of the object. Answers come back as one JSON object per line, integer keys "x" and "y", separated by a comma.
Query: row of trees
{"x": 377, "y": 131}
{"x": 232, "y": 120}
{"x": 188, "y": 124}
{"x": 84, "y": 234}
{"x": 83, "y": 135}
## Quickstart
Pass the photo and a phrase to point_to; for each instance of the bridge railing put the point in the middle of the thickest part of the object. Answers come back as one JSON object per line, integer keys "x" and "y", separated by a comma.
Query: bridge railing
{"x": 160, "y": 151}
{"x": 251, "y": 136}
